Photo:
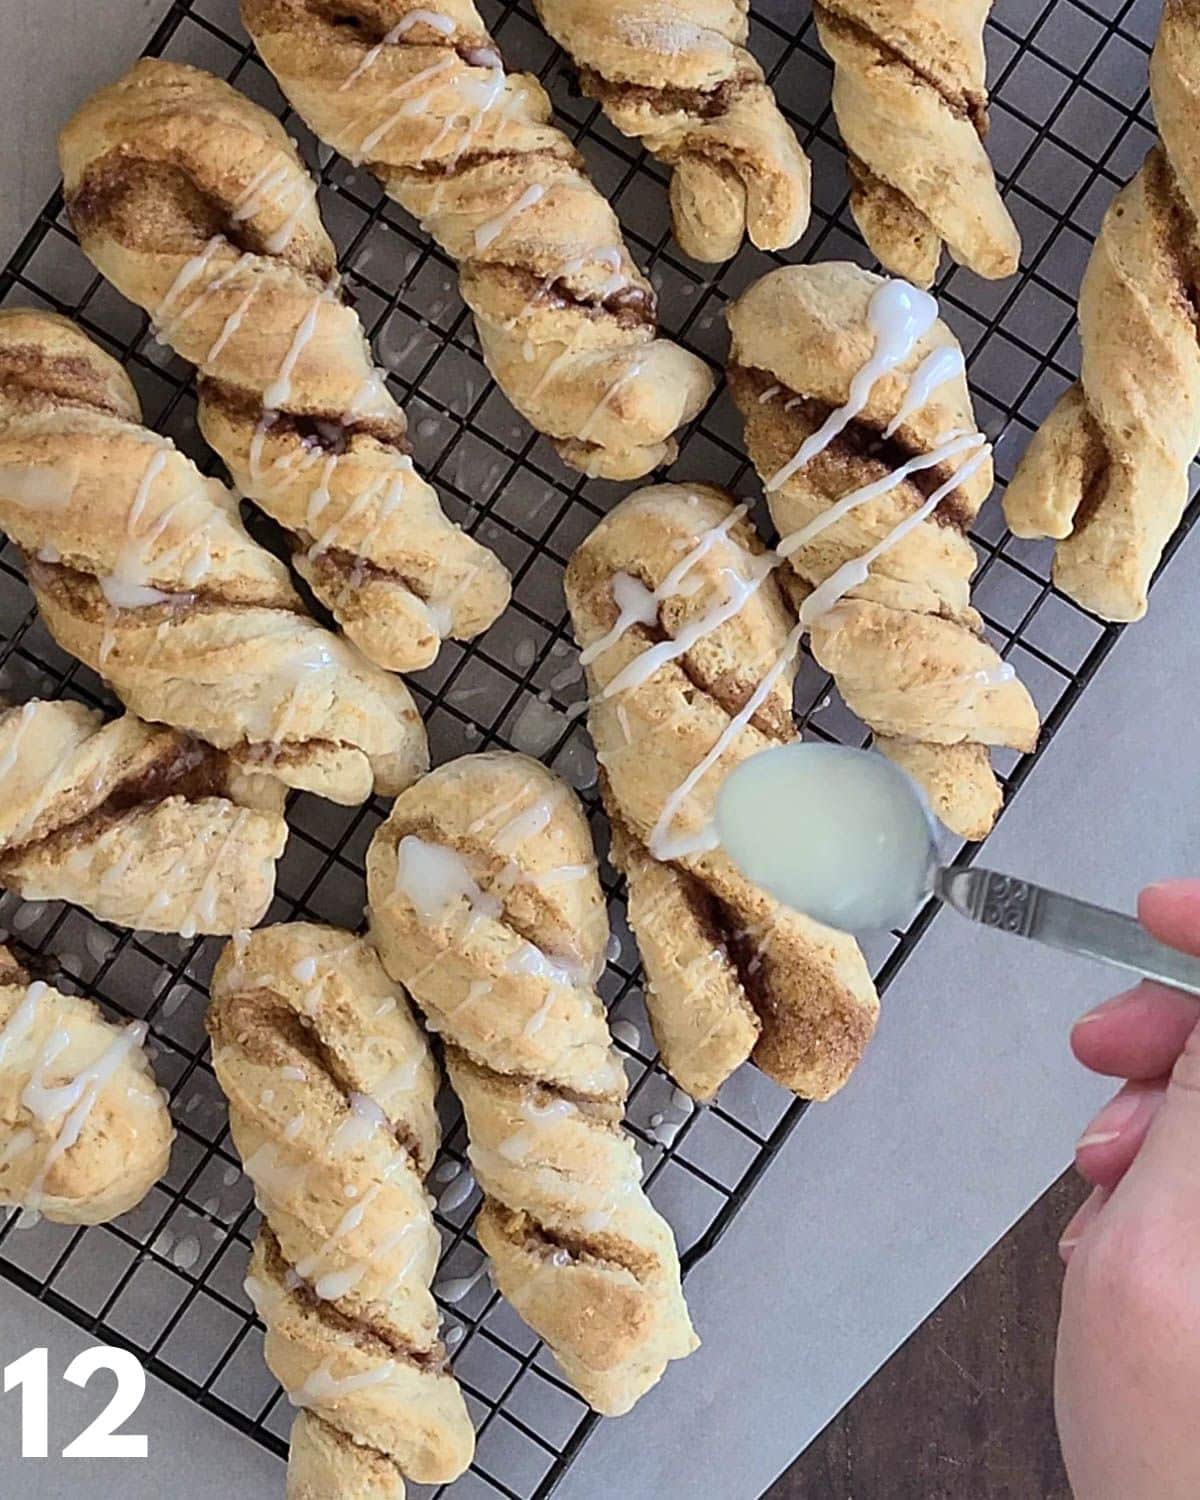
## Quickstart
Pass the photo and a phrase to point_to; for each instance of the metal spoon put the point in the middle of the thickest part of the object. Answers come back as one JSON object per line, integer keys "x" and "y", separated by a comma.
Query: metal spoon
{"x": 847, "y": 837}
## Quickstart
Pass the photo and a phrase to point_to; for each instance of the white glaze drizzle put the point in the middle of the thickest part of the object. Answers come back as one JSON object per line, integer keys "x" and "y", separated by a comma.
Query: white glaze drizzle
{"x": 487, "y": 234}
{"x": 24, "y": 718}
{"x": 203, "y": 910}
{"x": 935, "y": 370}
{"x": 899, "y": 316}
{"x": 279, "y": 239}
{"x": 660, "y": 842}
{"x": 39, "y": 487}
{"x": 20, "y": 1023}
{"x": 217, "y": 284}
{"x": 373, "y": 137}
{"x": 259, "y": 189}
{"x": 280, "y": 389}
{"x": 361, "y": 502}
{"x": 359, "y": 1126}
{"x": 230, "y": 326}
{"x": 322, "y": 1387}
{"x": 741, "y": 587}
{"x": 854, "y": 573}
{"x": 434, "y": 879}
{"x": 538, "y": 1118}
{"x": 960, "y": 443}
{"x": 622, "y": 380}
{"x": 188, "y": 272}
{"x": 638, "y": 605}
{"x": 70, "y": 1105}
{"x": 444, "y": 25}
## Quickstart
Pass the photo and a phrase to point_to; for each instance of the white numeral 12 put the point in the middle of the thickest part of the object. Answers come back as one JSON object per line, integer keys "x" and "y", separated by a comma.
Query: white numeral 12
{"x": 100, "y": 1438}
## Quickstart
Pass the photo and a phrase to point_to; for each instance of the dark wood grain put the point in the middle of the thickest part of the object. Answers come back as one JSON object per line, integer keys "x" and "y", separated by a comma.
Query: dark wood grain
{"x": 963, "y": 1410}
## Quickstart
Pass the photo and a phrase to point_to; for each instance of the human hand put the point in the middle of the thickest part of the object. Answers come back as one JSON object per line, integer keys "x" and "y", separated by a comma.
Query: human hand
{"x": 1127, "y": 1372}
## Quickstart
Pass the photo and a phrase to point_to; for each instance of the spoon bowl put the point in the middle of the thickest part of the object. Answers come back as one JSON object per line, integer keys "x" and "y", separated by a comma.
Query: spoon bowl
{"x": 842, "y": 835}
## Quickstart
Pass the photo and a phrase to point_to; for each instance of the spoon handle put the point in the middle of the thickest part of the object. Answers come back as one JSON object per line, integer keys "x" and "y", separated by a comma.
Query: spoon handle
{"x": 1060, "y": 921}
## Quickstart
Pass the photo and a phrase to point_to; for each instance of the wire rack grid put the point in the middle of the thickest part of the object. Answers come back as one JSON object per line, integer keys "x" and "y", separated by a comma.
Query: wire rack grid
{"x": 1070, "y": 123}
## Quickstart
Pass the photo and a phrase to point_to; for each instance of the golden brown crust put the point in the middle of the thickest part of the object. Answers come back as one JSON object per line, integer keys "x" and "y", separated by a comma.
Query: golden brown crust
{"x": 139, "y": 825}
{"x": 905, "y": 647}
{"x": 1107, "y": 473}
{"x": 324, "y": 1463}
{"x": 676, "y": 75}
{"x": 807, "y": 987}
{"x": 485, "y": 902}
{"x": 910, "y": 97}
{"x": 84, "y": 1132}
{"x": 331, "y": 1092}
{"x": 142, "y": 569}
{"x": 194, "y": 203}
{"x": 700, "y": 1010}
{"x": 566, "y": 322}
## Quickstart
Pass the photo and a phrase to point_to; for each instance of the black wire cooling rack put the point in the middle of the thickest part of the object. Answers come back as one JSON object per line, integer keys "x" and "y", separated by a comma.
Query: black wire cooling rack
{"x": 1070, "y": 123}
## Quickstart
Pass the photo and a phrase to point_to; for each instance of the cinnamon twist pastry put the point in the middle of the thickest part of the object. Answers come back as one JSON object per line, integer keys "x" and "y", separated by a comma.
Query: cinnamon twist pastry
{"x": 910, "y": 96}
{"x": 690, "y": 651}
{"x": 566, "y": 322}
{"x": 676, "y": 74}
{"x": 139, "y": 825}
{"x": 485, "y": 903}
{"x": 195, "y": 204}
{"x": 84, "y": 1131}
{"x": 141, "y": 569}
{"x": 858, "y": 418}
{"x": 1107, "y": 473}
{"x": 331, "y": 1106}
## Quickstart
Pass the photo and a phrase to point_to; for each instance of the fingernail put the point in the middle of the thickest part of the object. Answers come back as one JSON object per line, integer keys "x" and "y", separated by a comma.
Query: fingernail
{"x": 1103, "y": 1009}
{"x": 1080, "y": 1221}
{"x": 1112, "y": 1120}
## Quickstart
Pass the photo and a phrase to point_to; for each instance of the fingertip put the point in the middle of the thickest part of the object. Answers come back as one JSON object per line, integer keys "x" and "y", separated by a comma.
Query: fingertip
{"x": 1092, "y": 1034}
{"x": 1138, "y": 1034}
{"x": 1106, "y": 1149}
{"x": 1170, "y": 910}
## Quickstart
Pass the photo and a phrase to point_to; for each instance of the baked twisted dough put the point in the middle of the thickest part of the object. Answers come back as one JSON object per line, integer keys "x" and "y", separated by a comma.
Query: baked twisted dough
{"x": 142, "y": 569}
{"x": 140, "y": 825}
{"x": 905, "y": 647}
{"x": 195, "y": 204}
{"x": 910, "y": 96}
{"x": 1107, "y": 473}
{"x": 566, "y": 322}
{"x": 485, "y": 902}
{"x": 331, "y": 1105}
{"x": 682, "y": 624}
{"x": 84, "y": 1132}
{"x": 676, "y": 74}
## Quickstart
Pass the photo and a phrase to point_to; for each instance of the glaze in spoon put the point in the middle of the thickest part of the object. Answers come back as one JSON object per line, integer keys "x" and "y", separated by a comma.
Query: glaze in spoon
{"x": 847, "y": 837}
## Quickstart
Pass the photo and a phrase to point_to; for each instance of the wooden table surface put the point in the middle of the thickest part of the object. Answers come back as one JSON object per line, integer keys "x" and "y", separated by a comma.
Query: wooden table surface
{"x": 963, "y": 1410}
